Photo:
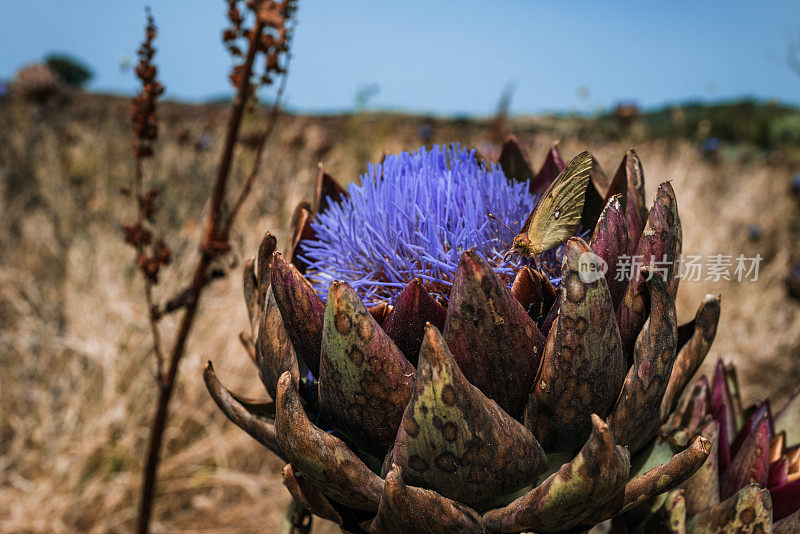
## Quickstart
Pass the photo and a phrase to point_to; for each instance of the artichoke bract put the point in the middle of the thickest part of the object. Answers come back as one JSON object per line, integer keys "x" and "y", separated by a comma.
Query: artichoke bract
{"x": 751, "y": 480}
{"x": 423, "y": 383}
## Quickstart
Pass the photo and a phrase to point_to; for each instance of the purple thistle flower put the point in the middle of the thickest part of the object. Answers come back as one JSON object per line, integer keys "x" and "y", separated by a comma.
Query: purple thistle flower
{"x": 413, "y": 217}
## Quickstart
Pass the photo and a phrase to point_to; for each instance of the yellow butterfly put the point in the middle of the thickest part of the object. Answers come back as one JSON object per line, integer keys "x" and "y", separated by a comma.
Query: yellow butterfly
{"x": 558, "y": 214}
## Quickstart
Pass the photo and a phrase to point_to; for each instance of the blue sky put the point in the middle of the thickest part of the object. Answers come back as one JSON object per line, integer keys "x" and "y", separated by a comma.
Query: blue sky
{"x": 447, "y": 57}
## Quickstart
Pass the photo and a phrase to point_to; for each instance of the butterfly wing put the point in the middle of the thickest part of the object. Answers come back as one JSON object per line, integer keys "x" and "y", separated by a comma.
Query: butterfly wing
{"x": 558, "y": 214}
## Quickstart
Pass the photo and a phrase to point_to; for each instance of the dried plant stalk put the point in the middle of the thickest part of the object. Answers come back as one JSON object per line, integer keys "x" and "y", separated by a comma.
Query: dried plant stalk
{"x": 150, "y": 257}
{"x": 269, "y": 35}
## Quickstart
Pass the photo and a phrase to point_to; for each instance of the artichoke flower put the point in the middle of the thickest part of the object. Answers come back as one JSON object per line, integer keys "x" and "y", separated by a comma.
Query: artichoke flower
{"x": 751, "y": 480}
{"x": 422, "y": 383}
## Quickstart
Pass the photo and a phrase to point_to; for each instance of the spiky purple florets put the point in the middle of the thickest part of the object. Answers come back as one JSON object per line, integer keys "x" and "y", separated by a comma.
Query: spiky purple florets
{"x": 412, "y": 217}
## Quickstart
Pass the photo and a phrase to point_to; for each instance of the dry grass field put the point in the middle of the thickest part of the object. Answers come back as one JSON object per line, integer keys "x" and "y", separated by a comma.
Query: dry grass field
{"x": 76, "y": 376}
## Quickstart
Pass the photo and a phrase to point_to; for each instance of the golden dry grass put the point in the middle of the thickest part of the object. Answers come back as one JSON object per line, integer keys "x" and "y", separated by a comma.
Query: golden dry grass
{"x": 75, "y": 370}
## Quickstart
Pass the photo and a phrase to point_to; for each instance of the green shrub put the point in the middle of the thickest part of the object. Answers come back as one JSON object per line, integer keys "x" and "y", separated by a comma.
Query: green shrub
{"x": 785, "y": 130}
{"x": 69, "y": 69}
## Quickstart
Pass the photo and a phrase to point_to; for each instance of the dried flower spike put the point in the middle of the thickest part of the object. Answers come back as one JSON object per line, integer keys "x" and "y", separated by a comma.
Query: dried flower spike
{"x": 143, "y": 106}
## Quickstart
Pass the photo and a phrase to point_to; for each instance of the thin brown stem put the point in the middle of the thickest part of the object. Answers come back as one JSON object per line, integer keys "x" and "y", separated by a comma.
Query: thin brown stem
{"x": 152, "y": 317}
{"x": 262, "y": 142}
{"x": 211, "y": 246}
